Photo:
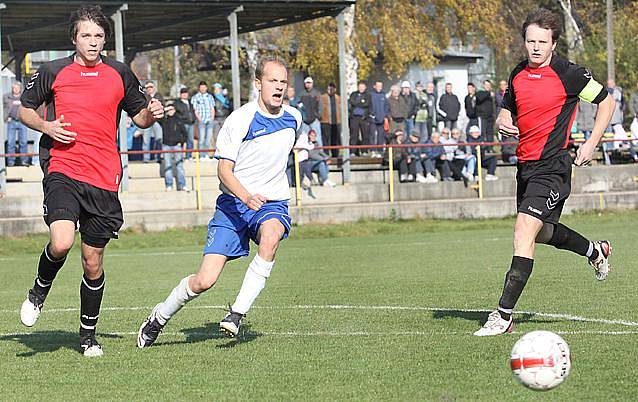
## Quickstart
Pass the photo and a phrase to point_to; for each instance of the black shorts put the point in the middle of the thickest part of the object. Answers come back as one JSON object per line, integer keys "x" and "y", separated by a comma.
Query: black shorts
{"x": 543, "y": 186}
{"x": 98, "y": 211}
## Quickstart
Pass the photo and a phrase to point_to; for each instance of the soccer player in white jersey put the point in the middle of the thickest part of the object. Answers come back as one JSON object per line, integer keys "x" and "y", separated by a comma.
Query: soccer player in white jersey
{"x": 252, "y": 152}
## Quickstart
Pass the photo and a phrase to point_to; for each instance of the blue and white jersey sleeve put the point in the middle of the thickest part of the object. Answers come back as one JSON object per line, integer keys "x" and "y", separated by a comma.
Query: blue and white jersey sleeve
{"x": 230, "y": 137}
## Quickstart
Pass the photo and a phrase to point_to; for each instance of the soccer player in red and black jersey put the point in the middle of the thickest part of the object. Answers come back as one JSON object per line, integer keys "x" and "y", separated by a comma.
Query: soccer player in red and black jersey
{"x": 539, "y": 108}
{"x": 84, "y": 95}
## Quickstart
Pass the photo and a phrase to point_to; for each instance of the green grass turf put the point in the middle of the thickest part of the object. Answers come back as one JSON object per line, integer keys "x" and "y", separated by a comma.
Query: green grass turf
{"x": 316, "y": 352}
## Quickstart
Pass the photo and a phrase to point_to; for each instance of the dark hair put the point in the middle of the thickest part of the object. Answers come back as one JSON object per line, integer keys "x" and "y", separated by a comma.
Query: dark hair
{"x": 88, "y": 13}
{"x": 490, "y": 82}
{"x": 472, "y": 84}
{"x": 362, "y": 82}
{"x": 202, "y": 83}
{"x": 333, "y": 85}
{"x": 261, "y": 64}
{"x": 544, "y": 19}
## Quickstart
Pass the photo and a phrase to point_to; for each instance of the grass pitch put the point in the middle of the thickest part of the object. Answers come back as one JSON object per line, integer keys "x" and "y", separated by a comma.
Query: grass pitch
{"x": 365, "y": 311}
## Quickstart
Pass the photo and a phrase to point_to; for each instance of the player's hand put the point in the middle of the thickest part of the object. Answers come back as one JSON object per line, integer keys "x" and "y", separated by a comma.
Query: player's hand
{"x": 584, "y": 154}
{"x": 55, "y": 129}
{"x": 156, "y": 108}
{"x": 508, "y": 130}
{"x": 256, "y": 201}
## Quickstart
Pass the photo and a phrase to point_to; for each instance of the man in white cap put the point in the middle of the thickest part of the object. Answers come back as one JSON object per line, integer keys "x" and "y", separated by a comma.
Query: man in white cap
{"x": 310, "y": 106}
{"x": 411, "y": 104}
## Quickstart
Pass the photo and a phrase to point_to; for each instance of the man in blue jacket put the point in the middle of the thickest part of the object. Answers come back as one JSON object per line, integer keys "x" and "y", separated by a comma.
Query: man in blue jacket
{"x": 434, "y": 158}
{"x": 379, "y": 110}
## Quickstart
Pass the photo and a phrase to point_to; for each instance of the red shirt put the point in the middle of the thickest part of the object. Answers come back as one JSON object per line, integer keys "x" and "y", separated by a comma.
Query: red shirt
{"x": 91, "y": 99}
{"x": 544, "y": 101}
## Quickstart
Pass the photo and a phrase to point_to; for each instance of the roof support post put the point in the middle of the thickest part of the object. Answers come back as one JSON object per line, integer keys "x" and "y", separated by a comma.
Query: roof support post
{"x": 234, "y": 56}
{"x": 345, "y": 126}
{"x": 3, "y": 169}
{"x": 119, "y": 55}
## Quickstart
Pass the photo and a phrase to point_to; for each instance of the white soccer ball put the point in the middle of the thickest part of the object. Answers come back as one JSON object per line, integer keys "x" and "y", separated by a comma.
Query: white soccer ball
{"x": 541, "y": 360}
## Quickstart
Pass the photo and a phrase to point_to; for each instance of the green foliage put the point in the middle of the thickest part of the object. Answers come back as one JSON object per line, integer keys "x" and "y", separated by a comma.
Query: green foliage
{"x": 396, "y": 33}
{"x": 625, "y": 45}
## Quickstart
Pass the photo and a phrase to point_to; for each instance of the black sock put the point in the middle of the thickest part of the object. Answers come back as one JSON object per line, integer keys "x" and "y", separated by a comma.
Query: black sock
{"x": 48, "y": 268}
{"x": 566, "y": 239}
{"x": 515, "y": 281}
{"x": 91, "y": 291}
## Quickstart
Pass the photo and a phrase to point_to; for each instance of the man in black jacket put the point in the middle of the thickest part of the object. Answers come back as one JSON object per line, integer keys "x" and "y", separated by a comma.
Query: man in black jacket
{"x": 186, "y": 114}
{"x": 470, "y": 107}
{"x": 359, "y": 108}
{"x": 485, "y": 111}
{"x": 173, "y": 138}
{"x": 449, "y": 107}
{"x": 412, "y": 105}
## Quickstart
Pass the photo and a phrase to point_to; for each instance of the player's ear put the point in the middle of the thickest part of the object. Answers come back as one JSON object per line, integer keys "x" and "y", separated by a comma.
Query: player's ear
{"x": 258, "y": 84}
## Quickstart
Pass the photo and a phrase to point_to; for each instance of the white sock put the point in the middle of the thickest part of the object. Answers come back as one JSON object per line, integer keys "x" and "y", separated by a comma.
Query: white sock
{"x": 179, "y": 296}
{"x": 590, "y": 250}
{"x": 254, "y": 281}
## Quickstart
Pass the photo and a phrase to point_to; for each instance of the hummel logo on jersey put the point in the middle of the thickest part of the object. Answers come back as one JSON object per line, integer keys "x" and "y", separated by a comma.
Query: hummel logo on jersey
{"x": 91, "y": 74}
{"x": 537, "y": 76}
{"x": 33, "y": 78}
{"x": 553, "y": 199}
{"x": 534, "y": 210}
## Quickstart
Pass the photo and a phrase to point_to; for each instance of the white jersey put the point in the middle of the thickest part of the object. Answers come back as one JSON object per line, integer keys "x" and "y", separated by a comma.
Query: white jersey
{"x": 259, "y": 143}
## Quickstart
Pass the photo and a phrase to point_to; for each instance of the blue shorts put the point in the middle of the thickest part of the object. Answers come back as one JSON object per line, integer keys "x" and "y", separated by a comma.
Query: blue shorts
{"x": 234, "y": 225}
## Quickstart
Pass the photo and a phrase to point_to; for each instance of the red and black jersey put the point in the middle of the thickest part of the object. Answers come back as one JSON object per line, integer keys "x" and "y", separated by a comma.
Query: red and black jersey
{"x": 91, "y": 99}
{"x": 544, "y": 102}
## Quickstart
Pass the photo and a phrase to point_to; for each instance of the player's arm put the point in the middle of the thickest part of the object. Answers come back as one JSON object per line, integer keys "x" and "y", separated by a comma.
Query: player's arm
{"x": 229, "y": 140}
{"x": 579, "y": 82}
{"x": 228, "y": 179}
{"x": 54, "y": 129}
{"x": 150, "y": 114}
{"x": 38, "y": 91}
{"x": 505, "y": 123}
{"x": 505, "y": 119}
{"x": 603, "y": 117}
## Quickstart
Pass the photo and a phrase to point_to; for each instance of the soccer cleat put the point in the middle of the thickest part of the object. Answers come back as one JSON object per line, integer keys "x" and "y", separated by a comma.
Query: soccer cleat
{"x": 231, "y": 323}
{"x": 90, "y": 347}
{"x": 150, "y": 330}
{"x": 31, "y": 308}
{"x": 495, "y": 325}
{"x": 601, "y": 262}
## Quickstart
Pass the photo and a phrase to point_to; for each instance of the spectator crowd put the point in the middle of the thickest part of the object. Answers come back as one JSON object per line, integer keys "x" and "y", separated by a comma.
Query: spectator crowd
{"x": 416, "y": 116}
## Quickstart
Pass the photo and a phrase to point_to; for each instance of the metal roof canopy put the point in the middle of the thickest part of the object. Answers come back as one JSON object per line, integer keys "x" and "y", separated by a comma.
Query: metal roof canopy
{"x": 32, "y": 25}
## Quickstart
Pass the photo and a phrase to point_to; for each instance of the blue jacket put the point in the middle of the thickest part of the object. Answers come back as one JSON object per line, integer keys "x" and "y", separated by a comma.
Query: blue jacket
{"x": 380, "y": 107}
{"x": 434, "y": 152}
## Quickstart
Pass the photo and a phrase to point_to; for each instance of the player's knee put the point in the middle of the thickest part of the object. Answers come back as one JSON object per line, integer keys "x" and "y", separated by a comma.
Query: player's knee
{"x": 201, "y": 282}
{"x": 59, "y": 247}
{"x": 270, "y": 238}
{"x": 92, "y": 264}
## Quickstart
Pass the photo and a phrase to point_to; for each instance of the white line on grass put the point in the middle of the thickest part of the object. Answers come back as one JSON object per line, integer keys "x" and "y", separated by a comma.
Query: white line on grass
{"x": 568, "y": 317}
{"x": 315, "y": 333}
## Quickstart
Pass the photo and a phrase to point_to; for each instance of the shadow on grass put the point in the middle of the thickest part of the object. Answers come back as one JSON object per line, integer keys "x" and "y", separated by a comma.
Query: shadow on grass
{"x": 479, "y": 316}
{"x": 211, "y": 331}
{"x": 50, "y": 341}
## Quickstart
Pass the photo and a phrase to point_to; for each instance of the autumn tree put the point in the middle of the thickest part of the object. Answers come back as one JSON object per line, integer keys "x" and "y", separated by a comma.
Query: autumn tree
{"x": 395, "y": 32}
